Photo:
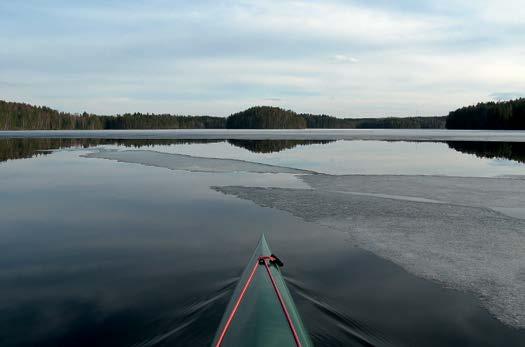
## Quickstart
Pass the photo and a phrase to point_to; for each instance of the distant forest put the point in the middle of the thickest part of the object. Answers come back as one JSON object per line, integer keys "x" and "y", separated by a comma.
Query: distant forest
{"x": 18, "y": 116}
{"x": 491, "y": 115}
{"x": 504, "y": 115}
{"x": 324, "y": 121}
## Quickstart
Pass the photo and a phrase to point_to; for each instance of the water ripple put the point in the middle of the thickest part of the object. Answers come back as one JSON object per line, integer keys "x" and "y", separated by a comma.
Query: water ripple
{"x": 355, "y": 330}
{"x": 189, "y": 314}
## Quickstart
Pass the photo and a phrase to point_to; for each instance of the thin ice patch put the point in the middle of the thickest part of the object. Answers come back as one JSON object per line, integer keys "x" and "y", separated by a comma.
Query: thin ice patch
{"x": 190, "y": 163}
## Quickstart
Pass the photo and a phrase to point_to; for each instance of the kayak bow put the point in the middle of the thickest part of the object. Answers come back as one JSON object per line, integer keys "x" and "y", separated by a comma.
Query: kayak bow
{"x": 261, "y": 311}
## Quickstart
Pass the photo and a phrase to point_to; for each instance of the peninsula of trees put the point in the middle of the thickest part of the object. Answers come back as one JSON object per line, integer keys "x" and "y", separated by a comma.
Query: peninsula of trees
{"x": 492, "y": 115}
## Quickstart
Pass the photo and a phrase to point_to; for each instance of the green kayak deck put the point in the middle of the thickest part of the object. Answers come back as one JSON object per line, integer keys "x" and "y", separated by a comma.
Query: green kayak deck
{"x": 261, "y": 311}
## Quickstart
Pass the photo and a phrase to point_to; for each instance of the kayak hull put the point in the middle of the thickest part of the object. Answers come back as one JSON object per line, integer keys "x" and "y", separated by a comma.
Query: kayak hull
{"x": 261, "y": 311}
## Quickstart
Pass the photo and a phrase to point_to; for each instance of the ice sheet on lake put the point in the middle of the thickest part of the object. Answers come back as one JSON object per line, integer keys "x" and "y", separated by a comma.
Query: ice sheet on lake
{"x": 452, "y": 238}
{"x": 506, "y": 195}
{"x": 189, "y": 163}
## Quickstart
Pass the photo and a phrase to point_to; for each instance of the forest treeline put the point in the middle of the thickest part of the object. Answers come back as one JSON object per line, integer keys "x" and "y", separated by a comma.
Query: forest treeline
{"x": 504, "y": 115}
{"x": 19, "y": 116}
{"x": 267, "y": 117}
{"x": 161, "y": 121}
{"x": 324, "y": 121}
{"x": 491, "y": 115}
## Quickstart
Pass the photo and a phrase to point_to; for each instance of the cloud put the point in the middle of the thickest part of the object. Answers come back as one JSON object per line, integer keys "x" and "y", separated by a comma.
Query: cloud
{"x": 349, "y": 58}
{"x": 341, "y": 58}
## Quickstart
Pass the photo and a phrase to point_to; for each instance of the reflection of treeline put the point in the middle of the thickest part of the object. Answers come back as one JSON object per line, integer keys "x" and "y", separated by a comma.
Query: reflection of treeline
{"x": 28, "y": 147}
{"x": 490, "y": 115}
{"x": 138, "y": 143}
{"x": 270, "y": 146}
{"x": 21, "y": 148}
{"x": 504, "y": 150}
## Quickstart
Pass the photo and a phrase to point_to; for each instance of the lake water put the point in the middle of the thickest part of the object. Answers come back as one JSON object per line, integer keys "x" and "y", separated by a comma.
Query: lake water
{"x": 140, "y": 242}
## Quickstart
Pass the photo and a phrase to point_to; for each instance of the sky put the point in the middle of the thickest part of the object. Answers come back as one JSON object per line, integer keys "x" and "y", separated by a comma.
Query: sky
{"x": 355, "y": 58}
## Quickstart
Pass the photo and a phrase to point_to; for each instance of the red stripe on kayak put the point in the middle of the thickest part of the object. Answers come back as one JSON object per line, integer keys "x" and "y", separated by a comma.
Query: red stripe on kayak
{"x": 288, "y": 318}
{"x": 236, "y": 307}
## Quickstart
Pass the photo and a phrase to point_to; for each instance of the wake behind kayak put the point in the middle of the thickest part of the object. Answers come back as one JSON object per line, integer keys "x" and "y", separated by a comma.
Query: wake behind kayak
{"x": 261, "y": 311}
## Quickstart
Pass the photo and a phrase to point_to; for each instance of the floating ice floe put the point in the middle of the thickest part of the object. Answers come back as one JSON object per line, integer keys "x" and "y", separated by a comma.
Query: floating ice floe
{"x": 190, "y": 163}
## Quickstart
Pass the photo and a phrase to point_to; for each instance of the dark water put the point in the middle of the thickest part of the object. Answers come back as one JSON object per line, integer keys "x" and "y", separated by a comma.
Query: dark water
{"x": 95, "y": 252}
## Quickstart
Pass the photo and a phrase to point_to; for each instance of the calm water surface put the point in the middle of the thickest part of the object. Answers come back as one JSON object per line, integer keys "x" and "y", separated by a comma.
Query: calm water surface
{"x": 97, "y": 252}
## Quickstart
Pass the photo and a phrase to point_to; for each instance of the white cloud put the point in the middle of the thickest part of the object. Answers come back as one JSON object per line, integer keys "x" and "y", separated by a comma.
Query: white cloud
{"x": 342, "y": 58}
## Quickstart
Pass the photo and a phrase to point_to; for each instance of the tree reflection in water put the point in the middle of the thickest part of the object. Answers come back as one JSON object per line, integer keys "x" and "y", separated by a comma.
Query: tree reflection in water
{"x": 30, "y": 147}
